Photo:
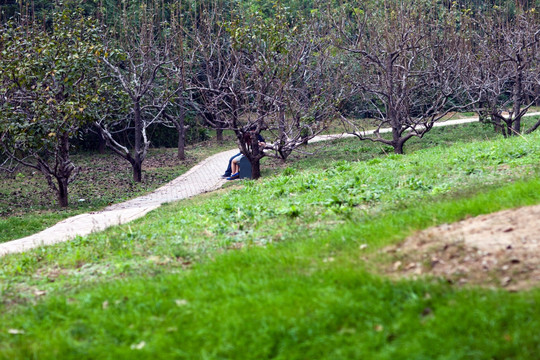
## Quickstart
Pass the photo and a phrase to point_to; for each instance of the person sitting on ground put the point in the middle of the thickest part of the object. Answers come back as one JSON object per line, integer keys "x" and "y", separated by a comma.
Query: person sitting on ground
{"x": 233, "y": 169}
{"x": 229, "y": 172}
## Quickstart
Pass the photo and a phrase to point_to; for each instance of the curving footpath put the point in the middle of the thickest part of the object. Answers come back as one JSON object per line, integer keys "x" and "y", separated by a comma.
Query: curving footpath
{"x": 203, "y": 177}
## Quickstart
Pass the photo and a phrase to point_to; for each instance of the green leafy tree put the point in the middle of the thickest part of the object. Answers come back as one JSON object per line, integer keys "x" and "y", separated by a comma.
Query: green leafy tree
{"x": 46, "y": 87}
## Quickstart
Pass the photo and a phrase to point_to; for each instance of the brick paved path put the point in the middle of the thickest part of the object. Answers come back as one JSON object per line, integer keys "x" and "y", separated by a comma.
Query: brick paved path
{"x": 203, "y": 177}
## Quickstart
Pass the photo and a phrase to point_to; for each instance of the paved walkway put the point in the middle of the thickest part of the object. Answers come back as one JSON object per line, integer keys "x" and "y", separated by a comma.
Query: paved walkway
{"x": 203, "y": 177}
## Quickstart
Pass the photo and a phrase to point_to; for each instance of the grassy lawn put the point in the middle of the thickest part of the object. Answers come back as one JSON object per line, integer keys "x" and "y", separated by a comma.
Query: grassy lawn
{"x": 282, "y": 268}
{"x": 28, "y": 206}
{"x": 321, "y": 155}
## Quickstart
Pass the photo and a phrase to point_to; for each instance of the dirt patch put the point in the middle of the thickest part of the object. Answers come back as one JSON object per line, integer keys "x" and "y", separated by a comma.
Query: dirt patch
{"x": 499, "y": 250}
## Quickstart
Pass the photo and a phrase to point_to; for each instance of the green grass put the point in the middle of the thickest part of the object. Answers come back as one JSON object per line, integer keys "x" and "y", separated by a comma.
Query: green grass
{"x": 15, "y": 227}
{"x": 274, "y": 269}
{"x": 28, "y": 206}
{"x": 288, "y": 301}
{"x": 322, "y": 155}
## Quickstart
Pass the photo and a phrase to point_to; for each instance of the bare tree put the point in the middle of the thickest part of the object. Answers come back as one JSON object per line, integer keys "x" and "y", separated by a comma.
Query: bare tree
{"x": 136, "y": 62}
{"x": 179, "y": 74}
{"x": 406, "y": 68}
{"x": 505, "y": 67}
{"x": 212, "y": 66}
{"x": 230, "y": 91}
{"x": 268, "y": 74}
{"x": 308, "y": 92}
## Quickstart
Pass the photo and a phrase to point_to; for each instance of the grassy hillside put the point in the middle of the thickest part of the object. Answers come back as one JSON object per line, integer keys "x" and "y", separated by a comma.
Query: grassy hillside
{"x": 282, "y": 268}
{"x": 27, "y": 206}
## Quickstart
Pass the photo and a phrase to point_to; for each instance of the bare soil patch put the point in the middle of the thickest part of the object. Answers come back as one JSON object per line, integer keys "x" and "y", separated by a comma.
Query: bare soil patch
{"x": 497, "y": 250}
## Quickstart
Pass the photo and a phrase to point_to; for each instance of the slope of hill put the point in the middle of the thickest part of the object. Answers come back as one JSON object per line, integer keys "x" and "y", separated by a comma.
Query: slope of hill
{"x": 286, "y": 267}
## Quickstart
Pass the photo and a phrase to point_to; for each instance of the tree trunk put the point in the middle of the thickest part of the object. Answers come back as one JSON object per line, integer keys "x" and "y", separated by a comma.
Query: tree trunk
{"x": 181, "y": 128}
{"x": 255, "y": 158}
{"x": 137, "y": 170}
{"x": 282, "y": 135}
{"x": 102, "y": 143}
{"x": 516, "y": 127}
{"x": 256, "y": 168}
{"x": 181, "y": 153}
{"x": 515, "y": 123}
{"x": 398, "y": 147}
{"x": 64, "y": 170}
{"x": 483, "y": 115}
{"x": 393, "y": 114}
{"x": 498, "y": 122}
{"x": 219, "y": 133}
{"x": 62, "y": 193}
{"x": 137, "y": 160}
{"x": 397, "y": 141}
